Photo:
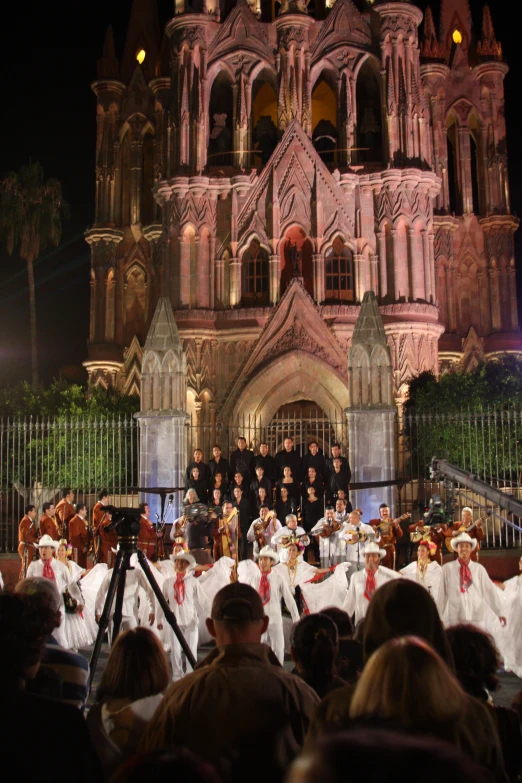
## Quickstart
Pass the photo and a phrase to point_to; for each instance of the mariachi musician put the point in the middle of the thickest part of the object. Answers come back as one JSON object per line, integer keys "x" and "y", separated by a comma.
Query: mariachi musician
{"x": 389, "y": 530}
{"x": 105, "y": 542}
{"x": 327, "y": 531}
{"x": 262, "y": 530}
{"x": 435, "y": 533}
{"x": 147, "y": 536}
{"x": 65, "y": 511}
{"x": 466, "y": 525}
{"x": 27, "y": 538}
{"x": 79, "y": 535}
{"x": 48, "y": 523}
{"x": 285, "y": 535}
{"x": 226, "y": 533}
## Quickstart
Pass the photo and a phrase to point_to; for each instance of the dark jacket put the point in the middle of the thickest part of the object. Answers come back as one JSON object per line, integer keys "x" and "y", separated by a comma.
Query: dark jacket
{"x": 269, "y": 465}
{"x": 242, "y": 462}
{"x": 293, "y": 460}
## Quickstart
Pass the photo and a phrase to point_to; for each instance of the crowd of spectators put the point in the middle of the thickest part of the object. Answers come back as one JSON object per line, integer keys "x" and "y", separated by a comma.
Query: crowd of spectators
{"x": 399, "y": 698}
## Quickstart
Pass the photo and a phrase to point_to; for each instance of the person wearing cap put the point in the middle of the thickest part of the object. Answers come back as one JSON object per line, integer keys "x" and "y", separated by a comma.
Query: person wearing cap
{"x": 49, "y": 568}
{"x": 135, "y": 581}
{"x": 423, "y": 570}
{"x": 239, "y": 710}
{"x": 273, "y": 589}
{"x": 363, "y": 584}
{"x": 465, "y": 587}
{"x": 474, "y": 530}
{"x": 187, "y": 600}
{"x": 285, "y": 534}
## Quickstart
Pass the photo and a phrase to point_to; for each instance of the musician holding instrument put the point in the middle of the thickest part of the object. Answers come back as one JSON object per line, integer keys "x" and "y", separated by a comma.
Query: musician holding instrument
{"x": 389, "y": 530}
{"x": 327, "y": 531}
{"x": 65, "y": 511}
{"x": 431, "y": 528}
{"x": 27, "y": 539}
{"x": 105, "y": 542}
{"x": 262, "y": 530}
{"x": 147, "y": 536}
{"x": 312, "y": 511}
{"x": 287, "y": 534}
{"x": 79, "y": 535}
{"x": 473, "y": 529}
{"x": 48, "y": 523}
{"x": 226, "y": 533}
{"x": 356, "y": 534}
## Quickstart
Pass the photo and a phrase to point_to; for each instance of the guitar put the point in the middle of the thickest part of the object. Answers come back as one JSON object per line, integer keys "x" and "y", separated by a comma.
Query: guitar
{"x": 386, "y": 527}
{"x": 462, "y": 529}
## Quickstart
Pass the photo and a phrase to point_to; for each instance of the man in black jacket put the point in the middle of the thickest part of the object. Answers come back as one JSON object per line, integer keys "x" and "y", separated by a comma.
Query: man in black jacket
{"x": 336, "y": 454}
{"x": 267, "y": 462}
{"x": 288, "y": 456}
{"x": 241, "y": 460}
{"x": 218, "y": 464}
{"x": 197, "y": 462}
{"x": 314, "y": 459}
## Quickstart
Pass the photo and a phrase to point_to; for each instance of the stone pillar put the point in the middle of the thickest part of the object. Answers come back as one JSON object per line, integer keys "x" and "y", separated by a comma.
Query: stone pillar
{"x": 235, "y": 282}
{"x": 275, "y": 267}
{"x": 371, "y": 414}
{"x": 163, "y": 418}
{"x": 381, "y": 251}
{"x": 318, "y": 261}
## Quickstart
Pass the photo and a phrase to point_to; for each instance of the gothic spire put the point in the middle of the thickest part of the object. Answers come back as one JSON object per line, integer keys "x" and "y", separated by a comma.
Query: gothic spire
{"x": 430, "y": 46}
{"x": 488, "y": 48}
{"x": 108, "y": 66}
{"x": 143, "y": 36}
{"x": 455, "y": 26}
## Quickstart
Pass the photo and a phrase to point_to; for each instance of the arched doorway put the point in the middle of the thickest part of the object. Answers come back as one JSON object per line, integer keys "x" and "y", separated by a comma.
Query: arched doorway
{"x": 304, "y": 421}
{"x": 297, "y": 259}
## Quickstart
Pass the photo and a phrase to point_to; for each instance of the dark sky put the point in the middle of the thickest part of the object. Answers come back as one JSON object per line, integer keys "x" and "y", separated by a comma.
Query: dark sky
{"x": 49, "y": 60}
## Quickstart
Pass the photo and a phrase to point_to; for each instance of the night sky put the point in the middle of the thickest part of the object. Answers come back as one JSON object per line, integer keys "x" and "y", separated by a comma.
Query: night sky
{"x": 48, "y": 64}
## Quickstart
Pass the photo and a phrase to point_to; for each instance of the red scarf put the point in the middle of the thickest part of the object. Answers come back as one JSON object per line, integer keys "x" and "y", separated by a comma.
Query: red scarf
{"x": 371, "y": 587}
{"x": 465, "y": 576}
{"x": 48, "y": 572}
{"x": 179, "y": 589}
{"x": 264, "y": 588}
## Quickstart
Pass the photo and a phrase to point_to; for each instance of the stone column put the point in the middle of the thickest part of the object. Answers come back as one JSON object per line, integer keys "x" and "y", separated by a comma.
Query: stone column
{"x": 235, "y": 282}
{"x": 381, "y": 250}
{"x": 275, "y": 272}
{"x": 318, "y": 261}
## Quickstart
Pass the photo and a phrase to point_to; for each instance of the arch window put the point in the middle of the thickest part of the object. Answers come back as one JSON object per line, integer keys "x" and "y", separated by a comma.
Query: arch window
{"x": 339, "y": 278}
{"x": 255, "y": 274}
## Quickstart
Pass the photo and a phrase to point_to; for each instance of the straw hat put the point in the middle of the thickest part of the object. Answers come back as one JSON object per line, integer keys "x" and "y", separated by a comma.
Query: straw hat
{"x": 373, "y": 549}
{"x": 267, "y": 551}
{"x": 463, "y": 538}
{"x": 48, "y": 541}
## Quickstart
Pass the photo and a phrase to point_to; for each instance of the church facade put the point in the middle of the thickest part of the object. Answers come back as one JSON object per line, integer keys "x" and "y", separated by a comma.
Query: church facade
{"x": 263, "y": 165}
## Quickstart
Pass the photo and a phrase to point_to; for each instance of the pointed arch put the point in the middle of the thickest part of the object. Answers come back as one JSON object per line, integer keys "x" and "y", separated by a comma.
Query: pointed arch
{"x": 369, "y": 113}
{"x": 339, "y": 275}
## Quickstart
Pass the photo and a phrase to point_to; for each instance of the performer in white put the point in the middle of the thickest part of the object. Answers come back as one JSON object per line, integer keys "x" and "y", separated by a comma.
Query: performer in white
{"x": 263, "y": 529}
{"x": 272, "y": 588}
{"x": 80, "y": 627}
{"x": 465, "y": 587}
{"x": 296, "y": 572}
{"x": 187, "y": 600}
{"x": 48, "y": 567}
{"x": 135, "y": 581}
{"x": 330, "y": 547}
{"x": 291, "y": 530}
{"x": 356, "y": 535}
{"x": 423, "y": 570}
{"x": 509, "y": 640}
{"x": 363, "y": 584}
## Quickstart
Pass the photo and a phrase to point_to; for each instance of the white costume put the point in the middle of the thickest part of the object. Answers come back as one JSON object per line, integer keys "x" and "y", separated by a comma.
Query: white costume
{"x": 279, "y": 590}
{"x": 330, "y": 548}
{"x": 456, "y": 606}
{"x": 428, "y": 578}
{"x": 330, "y": 592}
{"x": 509, "y": 639}
{"x": 356, "y": 600}
{"x": 80, "y": 630}
{"x": 211, "y": 582}
{"x": 354, "y": 553}
{"x": 303, "y": 572}
{"x": 135, "y": 582}
{"x": 187, "y": 602}
{"x": 286, "y": 532}
{"x": 64, "y": 581}
{"x": 268, "y": 534}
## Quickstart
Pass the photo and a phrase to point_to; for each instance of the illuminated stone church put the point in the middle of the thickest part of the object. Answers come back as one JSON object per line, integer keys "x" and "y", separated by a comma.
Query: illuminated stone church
{"x": 264, "y": 164}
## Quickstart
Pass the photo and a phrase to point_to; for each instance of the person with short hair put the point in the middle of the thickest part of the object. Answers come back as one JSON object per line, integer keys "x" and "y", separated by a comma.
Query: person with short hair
{"x": 338, "y": 481}
{"x": 218, "y": 464}
{"x": 197, "y": 462}
{"x": 64, "y": 512}
{"x": 197, "y": 481}
{"x": 48, "y": 524}
{"x": 288, "y": 457}
{"x": 327, "y": 534}
{"x": 105, "y": 542}
{"x": 314, "y": 648}
{"x": 388, "y": 530}
{"x": 268, "y": 702}
{"x": 364, "y": 584}
{"x": 336, "y": 454}
{"x": 79, "y": 535}
{"x": 349, "y": 661}
{"x": 287, "y": 534}
{"x": 147, "y": 539}
{"x": 314, "y": 458}
{"x": 133, "y": 683}
{"x": 267, "y": 462}
{"x": 242, "y": 460}
{"x": 356, "y": 535}
{"x": 263, "y": 529}
{"x": 27, "y": 539}
{"x": 465, "y": 588}
{"x": 466, "y": 525}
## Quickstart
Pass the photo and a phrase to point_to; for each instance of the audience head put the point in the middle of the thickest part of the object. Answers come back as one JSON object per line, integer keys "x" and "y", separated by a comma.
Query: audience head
{"x": 314, "y": 647}
{"x": 407, "y": 682}
{"x": 44, "y": 594}
{"x": 176, "y": 764}
{"x": 341, "y": 619}
{"x": 476, "y": 656}
{"x": 25, "y": 625}
{"x": 137, "y": 667}
{"x": 384, "y": 755}
{"x": 404, "y": 608}
{"x": 237, "y": 615}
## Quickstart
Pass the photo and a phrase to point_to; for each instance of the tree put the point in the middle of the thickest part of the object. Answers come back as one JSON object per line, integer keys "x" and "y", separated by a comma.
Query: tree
{"x": 31, "y": 214}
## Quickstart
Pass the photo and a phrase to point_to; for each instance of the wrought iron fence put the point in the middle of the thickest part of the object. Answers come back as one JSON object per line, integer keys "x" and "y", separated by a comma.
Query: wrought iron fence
{"x": 42, "y": 456}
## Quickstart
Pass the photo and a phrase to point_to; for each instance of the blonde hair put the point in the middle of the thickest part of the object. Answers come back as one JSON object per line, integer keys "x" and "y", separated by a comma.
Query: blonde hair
{"x": 408, "y": 681}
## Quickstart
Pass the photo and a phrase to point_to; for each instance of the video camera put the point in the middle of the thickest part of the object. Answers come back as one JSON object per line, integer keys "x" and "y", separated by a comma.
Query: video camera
{"x": 436, "y": 513}
{"x": 126, "y": 521}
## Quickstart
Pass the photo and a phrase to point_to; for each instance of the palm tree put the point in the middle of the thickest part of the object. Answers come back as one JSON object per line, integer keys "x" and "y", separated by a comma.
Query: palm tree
{"x": 31, "y": 214}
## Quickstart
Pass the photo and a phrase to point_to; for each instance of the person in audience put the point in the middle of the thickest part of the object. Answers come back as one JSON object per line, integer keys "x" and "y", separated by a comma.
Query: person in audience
{"x": 349, "y": 661}
{"x": 242, "y": 460}
{"x": 176, "y": 764}
{"x": 271, "y": 708}
{"x": 384, "y": 755}
{"x": 364, "y": 584}
{"x": 314, "y": 649}
{"x": 24, "y": 628}
{"x": 477, "y": 661}
{"x": 70, "y": 669}
{"x": 267, "y": 462}
{"x": 218, "y": 464}
{"x": 133, "y": 683}
{"x": 405, "y": 685}
{"x": 197, "y": 462}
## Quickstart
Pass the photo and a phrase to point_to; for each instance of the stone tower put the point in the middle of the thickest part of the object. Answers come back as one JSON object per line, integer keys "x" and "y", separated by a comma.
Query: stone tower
{"x": 247, "y": 148}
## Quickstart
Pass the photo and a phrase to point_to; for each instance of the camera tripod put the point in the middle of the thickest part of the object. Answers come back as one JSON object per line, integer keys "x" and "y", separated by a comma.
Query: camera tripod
{"x": 128, "y": 546}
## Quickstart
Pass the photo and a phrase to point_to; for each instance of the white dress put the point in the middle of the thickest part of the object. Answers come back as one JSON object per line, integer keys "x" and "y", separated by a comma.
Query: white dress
{"x": 80, "y": 630}
{"x": 430, "y": 578}
{"x": 134, "y": 582}
{"x": 509, "y": 639}
{"x": 468, "y": 607}
{"x": 355, "y": 601}
{"x": 283, "y": 532}
{"x": 330, "y": 592}
{"x": 211, "y": 582}
{"x": 64, "y": 580}
{"x": 187, "y": 613}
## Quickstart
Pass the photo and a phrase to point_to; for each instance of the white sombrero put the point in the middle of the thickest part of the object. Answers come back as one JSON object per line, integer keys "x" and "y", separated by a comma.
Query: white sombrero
{"x": 463, "y": 538}
{"x": 267, "y": 551}
{"x": 373, "y": 549}
{"x": 185, "y": 556}
{"x": 48, "y": 541}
